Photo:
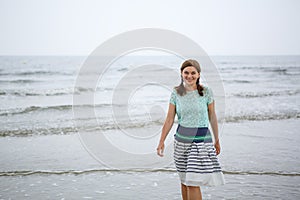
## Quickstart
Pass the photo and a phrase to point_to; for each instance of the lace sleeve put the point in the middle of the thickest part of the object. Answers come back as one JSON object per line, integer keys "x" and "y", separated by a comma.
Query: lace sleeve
{"x": 209, "y": 96}
{"x": 173, "y": 98}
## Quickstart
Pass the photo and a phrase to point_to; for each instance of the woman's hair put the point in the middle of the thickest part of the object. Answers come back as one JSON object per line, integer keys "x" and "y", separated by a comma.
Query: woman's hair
{"x": 190, "y": 63}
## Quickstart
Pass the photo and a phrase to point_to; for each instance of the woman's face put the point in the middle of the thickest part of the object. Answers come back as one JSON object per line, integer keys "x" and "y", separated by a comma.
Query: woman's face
{"x": 190, "y": 75}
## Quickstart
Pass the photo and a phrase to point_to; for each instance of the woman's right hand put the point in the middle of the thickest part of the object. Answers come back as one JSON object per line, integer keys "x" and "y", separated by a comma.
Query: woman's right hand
{"x": 160, "y": 149}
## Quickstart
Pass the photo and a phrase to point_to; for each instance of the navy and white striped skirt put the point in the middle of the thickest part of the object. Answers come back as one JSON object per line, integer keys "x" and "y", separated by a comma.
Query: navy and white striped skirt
{"x": 195, "y": 157}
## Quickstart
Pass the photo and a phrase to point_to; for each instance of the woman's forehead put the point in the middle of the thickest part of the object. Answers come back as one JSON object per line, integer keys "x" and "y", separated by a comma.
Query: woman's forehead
{"x": 190, "y": 69}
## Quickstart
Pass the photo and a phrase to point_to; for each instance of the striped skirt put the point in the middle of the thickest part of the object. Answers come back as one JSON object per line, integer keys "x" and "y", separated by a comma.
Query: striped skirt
{"x": 195, "y": 157}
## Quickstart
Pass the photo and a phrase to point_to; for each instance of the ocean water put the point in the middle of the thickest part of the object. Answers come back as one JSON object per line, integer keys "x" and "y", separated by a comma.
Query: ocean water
{"x": 43, "y": 157}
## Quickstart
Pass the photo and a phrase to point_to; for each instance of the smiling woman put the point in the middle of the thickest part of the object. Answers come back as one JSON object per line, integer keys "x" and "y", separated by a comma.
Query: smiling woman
{"x": 195, "y": 155}
{"x": 190, "y": 76}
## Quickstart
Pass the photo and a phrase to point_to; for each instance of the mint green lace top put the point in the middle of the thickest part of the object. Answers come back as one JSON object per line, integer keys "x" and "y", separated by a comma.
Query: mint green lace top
{"x": 191, "y": 108}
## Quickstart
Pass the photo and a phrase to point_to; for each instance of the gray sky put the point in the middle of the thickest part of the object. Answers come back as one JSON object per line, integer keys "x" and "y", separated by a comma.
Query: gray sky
{"x": 221, "y": 27}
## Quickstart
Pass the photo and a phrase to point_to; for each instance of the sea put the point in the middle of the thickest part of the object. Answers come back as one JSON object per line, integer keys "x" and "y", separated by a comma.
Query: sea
{"x": 56, "y": 145}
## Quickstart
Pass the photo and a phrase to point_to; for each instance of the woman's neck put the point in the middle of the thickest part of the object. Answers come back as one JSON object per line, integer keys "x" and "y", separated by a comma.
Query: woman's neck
{"x": 190, "y": 87}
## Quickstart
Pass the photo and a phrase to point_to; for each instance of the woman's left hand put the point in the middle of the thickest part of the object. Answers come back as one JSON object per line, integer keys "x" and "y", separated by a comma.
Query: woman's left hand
{"x": 217, "y": 147}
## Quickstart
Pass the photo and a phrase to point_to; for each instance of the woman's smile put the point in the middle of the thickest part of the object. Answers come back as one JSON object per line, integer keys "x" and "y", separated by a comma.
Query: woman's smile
{"x": 190, "y": 75}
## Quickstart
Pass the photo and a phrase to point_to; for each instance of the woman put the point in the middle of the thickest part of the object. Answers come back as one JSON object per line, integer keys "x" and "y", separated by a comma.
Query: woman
{"x": 195, "y": 155}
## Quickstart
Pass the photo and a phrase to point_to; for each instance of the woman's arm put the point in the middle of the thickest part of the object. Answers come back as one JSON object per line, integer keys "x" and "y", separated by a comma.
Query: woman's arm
{"x": 166, "y": 129}
{"x": 214, "y": 125}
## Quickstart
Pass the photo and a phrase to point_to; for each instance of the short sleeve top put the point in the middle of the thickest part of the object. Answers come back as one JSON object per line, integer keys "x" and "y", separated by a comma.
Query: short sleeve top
{"x": 191, "y": 108}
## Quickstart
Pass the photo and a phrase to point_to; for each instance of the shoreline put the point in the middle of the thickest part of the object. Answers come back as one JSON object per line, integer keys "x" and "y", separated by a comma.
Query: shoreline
{"x": 154, "y": 185}
{"x": 60, "y": 152}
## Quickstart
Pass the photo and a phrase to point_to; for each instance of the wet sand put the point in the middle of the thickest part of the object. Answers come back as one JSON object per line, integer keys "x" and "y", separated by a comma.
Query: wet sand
{"x": 260, "y": 161}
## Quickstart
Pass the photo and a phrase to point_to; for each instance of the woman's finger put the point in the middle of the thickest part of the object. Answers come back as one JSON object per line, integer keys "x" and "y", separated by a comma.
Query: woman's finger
{"x": 160, "y": 151}
{"x": 217, "y": 149}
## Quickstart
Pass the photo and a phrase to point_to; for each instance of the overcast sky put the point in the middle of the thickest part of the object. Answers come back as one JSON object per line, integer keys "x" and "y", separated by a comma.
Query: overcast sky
{"x": 221, "y": 27}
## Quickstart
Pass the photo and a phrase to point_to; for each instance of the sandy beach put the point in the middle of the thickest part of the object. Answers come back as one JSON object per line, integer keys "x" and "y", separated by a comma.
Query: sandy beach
{"x": 57, "y": 166}
{"x": 42, "y": 155}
